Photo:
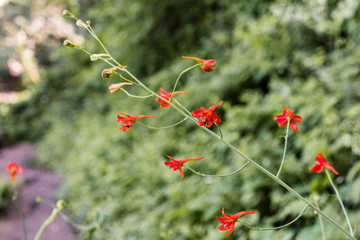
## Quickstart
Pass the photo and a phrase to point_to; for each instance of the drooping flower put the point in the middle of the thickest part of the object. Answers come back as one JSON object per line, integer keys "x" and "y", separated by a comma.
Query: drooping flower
{"x": 167, "y": 96}
{"x": 283, "y": 119}
{"x": 177, "y": 164}
{"x": 228, "y": 221}
{"x": 13, "y": 169}
{"x": 322, "y": 164}
{"x": 206, "y": 65}
{"x": 116, "y": 86}
{"x": 207, "y": 116}
{"x": 107, "y": 73}
{"x": 127, "y": 121}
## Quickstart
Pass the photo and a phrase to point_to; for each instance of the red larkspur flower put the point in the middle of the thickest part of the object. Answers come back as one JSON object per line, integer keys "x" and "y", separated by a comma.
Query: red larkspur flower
{"x": 177, "y": 164}
{"x": 322, "y": 164}
{"x": 228, "y": 221}
{"x": 206, "y": 65}
{"x": 283, "y": 119}
{"x": 167, "y": 96}
{"x": 127, "y": 121}
{"x": 207, "y": 116}
{"x": 13, "y": 169}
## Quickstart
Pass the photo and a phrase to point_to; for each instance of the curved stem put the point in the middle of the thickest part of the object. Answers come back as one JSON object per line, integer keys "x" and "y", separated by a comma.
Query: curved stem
{"x": 285, "y": 145}
{"x": 340, "y": 201}
{"x": 178, "y": 78}
{"x": 135, "y": 96}
{"x": 222, "y": 175}
{"x": 282, "y": 226}
{"x": 158, "y": 128}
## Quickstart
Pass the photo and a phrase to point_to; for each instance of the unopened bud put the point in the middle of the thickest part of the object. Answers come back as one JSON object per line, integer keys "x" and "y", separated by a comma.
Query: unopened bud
{"x": 68, "y": 43}
{"x": 60, "y": 204}
{"x": 116, "y": 86}
{"x": 97, "y": 56}
{"x": 66, "y": 13}
{"x": 80, "y": 23}
{"x": 88, "y": 22}
{"x": 107, "y": 73}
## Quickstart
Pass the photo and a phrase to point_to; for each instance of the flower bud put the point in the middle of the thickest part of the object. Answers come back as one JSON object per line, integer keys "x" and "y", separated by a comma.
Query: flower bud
{"x": 68, "y": 43}
{"x": 116, "y": 86}
{"x": 80, "y": 23}
{"x": 107, "y": 73}
{"x": 60, "y": 204}
{"x": 66, "y": 13}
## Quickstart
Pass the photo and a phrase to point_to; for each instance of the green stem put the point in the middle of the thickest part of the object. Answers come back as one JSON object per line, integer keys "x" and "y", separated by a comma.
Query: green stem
{"x": 323, "y": 236}
{"x": 159, "y": 128}
{"x": 178, "y": 78}
{"x": 221, "y": 135}
{"x": 18, "y": 208}
{"x": 59, "y": 206}
{"x": 285, "y": 145}
{"x": 222, "y": 175}
{"x": 340, "y": 201}
{"x": 135, "y": 96}
{"x": 282, "y": 226}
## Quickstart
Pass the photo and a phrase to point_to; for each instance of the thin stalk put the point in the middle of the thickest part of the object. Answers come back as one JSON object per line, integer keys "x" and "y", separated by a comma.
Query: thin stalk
{"x": 323, "y": 236}
{"x": 159, "y": 128}
{"x": 340, "y": 201}
{"x": 285, "y": 145}
{"x": 18, "y": 208}
{"x": 221, "y": 175}
{"x": 59, "y": 206}
{"x": 178, "y": 78}
{"x": 282, "y": 226}
{"x": 135, "y": 96}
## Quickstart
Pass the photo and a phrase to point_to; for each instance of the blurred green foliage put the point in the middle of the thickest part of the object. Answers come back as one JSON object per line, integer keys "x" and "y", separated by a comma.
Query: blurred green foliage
{"x": 270, "y": 54}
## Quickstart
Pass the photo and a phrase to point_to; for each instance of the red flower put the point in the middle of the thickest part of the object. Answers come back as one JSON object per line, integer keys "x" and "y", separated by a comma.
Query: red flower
{"x": 228, "y": 222}
{"x": 206, "y": 65}
{"x": 207, "y": 116}
{"x": 128, "y": 121}
{"x": 283, "y": 119}
{"x": 167, "y": 96}
{"x": 177, "y": 164}
{"x": 14, "y": 169}
{"x": 321, "y": 164}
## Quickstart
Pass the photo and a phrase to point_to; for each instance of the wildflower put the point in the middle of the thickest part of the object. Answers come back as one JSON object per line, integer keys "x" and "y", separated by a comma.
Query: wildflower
{"x": 116, "y": 86}
{"x": 177, "y": 164}
{"x": 228, "y": 222}
{"x": 206, "y": 65}
{"x": 207, "y": 116}
{"x": 14, "y": 169}
{"x": 127, "y": 121}
{"x": 107, "y": 73}
{"x": 321, "y": 164}
{"x": 285, "y": 117}
{"x": 167, "y": 96}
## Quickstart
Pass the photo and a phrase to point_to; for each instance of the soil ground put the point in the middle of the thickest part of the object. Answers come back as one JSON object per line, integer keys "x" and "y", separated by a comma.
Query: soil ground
{"x": 32, "y": 183}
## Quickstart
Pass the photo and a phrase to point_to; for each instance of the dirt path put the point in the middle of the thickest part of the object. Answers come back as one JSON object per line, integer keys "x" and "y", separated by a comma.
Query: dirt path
{"x": 34, "y": 183}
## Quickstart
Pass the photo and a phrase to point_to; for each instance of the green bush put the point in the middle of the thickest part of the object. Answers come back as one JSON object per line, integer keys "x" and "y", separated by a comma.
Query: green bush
{"x": 270, "y": 54}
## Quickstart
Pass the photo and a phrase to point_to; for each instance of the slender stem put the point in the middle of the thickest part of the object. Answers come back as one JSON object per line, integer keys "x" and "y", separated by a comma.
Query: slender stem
{"x": 158, "y": 128}
{"x": 340, "y": 201}
{"x": 59, "y": 206}
{"x": 135, "y": 96}
{"x": 178, "y": 78}
{"x": 323, "y": 236}
{"x": 222, "y": 175}
{"x": 285, "y": 145}
{"x": 221, "y": 135}
{"x": 18, "y": 208}
{"x": 282, "y": 226}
